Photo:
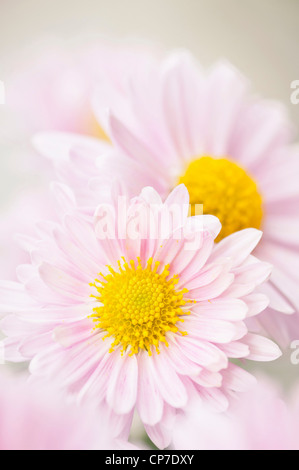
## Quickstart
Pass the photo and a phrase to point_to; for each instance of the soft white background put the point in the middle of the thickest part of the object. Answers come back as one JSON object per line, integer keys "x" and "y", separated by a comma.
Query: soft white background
{"x": 261, "y": 37}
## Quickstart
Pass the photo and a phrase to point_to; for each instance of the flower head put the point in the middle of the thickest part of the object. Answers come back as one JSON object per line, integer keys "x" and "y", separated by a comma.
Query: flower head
{"x": 51, "y": 86}
{"x": 140, "y": 310}
{"x": 234, "y": 154}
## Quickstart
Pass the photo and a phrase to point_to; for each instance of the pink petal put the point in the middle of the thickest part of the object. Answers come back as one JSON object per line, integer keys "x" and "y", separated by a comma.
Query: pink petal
{"x": 149, "y": 401}
{"x": 203, "y": 353}
{"x": 214, "y": 330}
{"x": 63, "y": 283}
{"x": 213, "y": 290}
{"x": 161, "y": 433}
{"x": 226, "y": 309}
{"x": 171, "y": 386}
{"x": 69, "y": 334}
{"x": 237, "y": 246}
{"x": 122, "y": 386}
{"x": 261, "y": 349}
{"x": 237, "y": 379}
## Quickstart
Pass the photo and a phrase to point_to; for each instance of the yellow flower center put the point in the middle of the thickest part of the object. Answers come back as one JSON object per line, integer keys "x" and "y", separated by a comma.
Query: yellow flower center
{"x": 139, "y": 306}
{"x": 226, "y": 191}
{"x": 94, "y": 129}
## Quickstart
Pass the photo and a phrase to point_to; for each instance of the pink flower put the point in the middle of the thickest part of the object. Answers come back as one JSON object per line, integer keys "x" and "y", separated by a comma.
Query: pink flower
{"x": 52, "y": 85}
{"x": 36, "y": 417}
{"x": 50, "y": 88}
{"x": 137, "y": 313}
{"x": 260, "y": 421}
{"x": 234, "y": 154}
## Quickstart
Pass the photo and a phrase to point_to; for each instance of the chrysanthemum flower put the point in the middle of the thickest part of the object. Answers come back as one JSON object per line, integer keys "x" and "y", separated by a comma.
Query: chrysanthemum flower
{"x": 37, "y": 417}
{"x": 51, "y": 83}
{"x": 137, "y": 313}
{"x": 262, "y": 420}
{"x": 233, "y": 152}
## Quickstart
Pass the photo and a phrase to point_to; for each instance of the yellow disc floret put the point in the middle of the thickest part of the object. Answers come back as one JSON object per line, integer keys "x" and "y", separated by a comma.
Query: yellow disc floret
{"x": 139, "y": 306}
{"x": 95, "y": 129}
{"x": 226, "y": 191}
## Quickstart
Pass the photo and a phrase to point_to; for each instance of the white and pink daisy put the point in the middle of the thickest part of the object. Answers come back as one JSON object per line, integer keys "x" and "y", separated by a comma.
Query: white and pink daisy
{"x": 262, "y": 420}
{"x": 233, "y": 152}
{"x": 37, "y": 417}
{"x": 136, "y": 313}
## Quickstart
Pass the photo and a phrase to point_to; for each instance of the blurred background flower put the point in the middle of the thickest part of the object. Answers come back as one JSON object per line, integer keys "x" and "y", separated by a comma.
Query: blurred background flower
{"x": 45, "y": 43}
{"x": 261, "y": 420}
{"x": 260, "y": 38}
{"x": 36, "y": 416}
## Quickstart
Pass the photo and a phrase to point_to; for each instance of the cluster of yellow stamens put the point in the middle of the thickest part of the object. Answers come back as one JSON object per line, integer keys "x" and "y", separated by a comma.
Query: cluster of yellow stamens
{"x": 139, "y": 306}
{"x": 226, "y": 191}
